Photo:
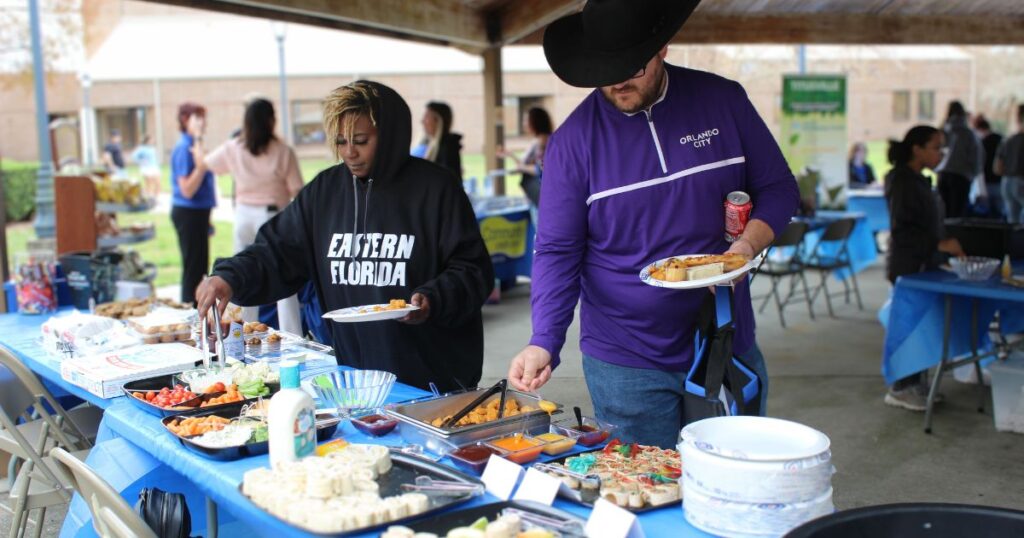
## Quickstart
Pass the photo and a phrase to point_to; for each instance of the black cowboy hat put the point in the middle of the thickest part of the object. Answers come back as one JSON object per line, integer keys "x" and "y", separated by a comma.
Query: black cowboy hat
{"x": 610, "y": 40}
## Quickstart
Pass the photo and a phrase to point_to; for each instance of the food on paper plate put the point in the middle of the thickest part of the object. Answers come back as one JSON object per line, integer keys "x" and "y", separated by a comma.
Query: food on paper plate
{"x": 394, "y": 304}
{"x": 696, "y": 267}
{"x": 633, "y": 476}
{"x": 486, "y": 412}
{"x": 331, "y": 494}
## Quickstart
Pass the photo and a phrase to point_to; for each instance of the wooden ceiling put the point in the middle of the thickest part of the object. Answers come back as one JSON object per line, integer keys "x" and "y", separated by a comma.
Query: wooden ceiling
{"x": 476, "y": 25}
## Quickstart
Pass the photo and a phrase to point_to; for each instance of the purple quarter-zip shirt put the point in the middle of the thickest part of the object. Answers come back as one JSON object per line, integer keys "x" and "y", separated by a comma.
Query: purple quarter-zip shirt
{"x": 620, "y": 191}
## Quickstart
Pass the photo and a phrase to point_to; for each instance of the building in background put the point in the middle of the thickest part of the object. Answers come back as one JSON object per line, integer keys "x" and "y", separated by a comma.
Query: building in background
{"x": 144, "y": 59}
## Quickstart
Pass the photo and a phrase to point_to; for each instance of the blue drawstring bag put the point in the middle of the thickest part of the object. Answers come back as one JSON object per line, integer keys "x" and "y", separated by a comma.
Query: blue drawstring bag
{"x": 718, "y": 383}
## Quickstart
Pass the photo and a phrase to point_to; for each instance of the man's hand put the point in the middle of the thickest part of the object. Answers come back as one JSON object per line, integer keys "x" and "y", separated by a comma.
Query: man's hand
{"x": 530, "y": 369}
{"x": 742, "y": 247}
{"x": 418, "y": 316}
{"x": 213, "y": 291}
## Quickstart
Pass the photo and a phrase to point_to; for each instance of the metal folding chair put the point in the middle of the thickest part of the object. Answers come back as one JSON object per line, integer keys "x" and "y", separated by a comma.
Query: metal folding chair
{"x": 784, "y": 259}
{"x": 830, "y": 254}
{"x": 31, "y": 423}
{"x": 111, "y": 514}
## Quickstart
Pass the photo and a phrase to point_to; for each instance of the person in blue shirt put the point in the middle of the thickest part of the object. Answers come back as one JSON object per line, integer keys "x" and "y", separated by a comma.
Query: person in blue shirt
{"x": 193, "y": 197}
{"x": 861, "y": 173}
{"x": 145, "y": 157}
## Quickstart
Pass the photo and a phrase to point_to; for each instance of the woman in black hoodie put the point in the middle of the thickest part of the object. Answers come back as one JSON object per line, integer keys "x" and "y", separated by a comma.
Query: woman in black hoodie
{"x": 382, "y": 225}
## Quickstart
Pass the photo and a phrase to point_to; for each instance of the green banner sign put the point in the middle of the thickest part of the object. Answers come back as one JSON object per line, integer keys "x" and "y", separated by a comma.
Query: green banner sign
{"x": 813, "y": 135}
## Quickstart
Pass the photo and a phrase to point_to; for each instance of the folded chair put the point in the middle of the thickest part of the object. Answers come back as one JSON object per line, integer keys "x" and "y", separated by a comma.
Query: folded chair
{"x": 784, "y": 260}
{"x": 35, "y": 485}
{"x": 831, "y": 254}
{"x": 111, "y": 515}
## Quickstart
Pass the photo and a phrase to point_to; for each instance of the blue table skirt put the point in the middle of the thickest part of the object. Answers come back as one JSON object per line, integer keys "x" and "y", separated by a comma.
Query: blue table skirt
{"x": 872, "y": 204}
{"x": 914, "y": 319}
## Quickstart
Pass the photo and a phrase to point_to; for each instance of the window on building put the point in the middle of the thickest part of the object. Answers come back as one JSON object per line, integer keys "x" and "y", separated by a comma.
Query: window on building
{"x": 901, "y": 105}
{"x": 926, "y": 105}
{"x": 307, "y": 124}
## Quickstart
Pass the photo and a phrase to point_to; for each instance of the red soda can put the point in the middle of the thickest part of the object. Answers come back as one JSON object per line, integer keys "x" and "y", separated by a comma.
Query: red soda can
{"x": 737, "y": 213}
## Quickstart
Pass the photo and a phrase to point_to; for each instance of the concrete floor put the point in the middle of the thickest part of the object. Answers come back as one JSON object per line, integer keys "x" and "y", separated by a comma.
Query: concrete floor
{"x": 824, "y": 373}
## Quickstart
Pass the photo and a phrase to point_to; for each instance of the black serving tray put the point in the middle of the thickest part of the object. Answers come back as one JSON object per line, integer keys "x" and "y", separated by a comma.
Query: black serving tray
{"x": 405, "y": 468}
{"x": 441, "y": 524}
{"x": 234, "y": 452}
{"x": 153, "y": 384}
{"x": 189, "y": 407}
{"x": 576, "y": 496}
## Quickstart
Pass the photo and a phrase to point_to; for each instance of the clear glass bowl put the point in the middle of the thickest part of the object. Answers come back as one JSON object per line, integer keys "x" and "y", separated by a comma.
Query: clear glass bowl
{"x": 974, "y": 268}
{"x": 352, "y": 392}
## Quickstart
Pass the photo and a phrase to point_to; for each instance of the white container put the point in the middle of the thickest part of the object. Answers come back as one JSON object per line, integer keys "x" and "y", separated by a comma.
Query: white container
{"x": 754, "y": 476}
{"x": 758, "y": 481}
{"x": 1008, "y": 393}
{"x": 739, "y": 519}
{"x": 291, "y": 421}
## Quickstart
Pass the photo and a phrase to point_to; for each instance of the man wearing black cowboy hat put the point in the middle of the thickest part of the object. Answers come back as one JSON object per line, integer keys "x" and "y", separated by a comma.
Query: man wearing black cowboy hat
{"x": 640, "y": 172}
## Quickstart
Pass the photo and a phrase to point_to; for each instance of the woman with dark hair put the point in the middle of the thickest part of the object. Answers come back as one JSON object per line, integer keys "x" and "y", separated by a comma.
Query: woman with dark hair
{"x": 963, "y": 162}
{"x": 917, "y": 241}
{"x": 537, "y": 124}
{"x": 439, "y": 144}
{"x": 267, "y": 177}
{"x": 192, "y": 198}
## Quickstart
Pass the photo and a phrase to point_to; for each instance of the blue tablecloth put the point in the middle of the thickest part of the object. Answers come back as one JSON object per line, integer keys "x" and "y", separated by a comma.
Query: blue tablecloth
{"x": 914, "y": 319}
{"x": 872, "y": 203}
{"x": 861, "y": 244}
{"x": 134, "y": 450}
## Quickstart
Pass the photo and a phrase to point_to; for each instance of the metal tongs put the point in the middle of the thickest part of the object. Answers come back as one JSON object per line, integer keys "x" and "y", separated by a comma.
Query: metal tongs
{"x": 219, "y": 346}
{"x": 563, "y": 526}
{"x": 500, "y": 386}
{"x": 425, "y": 484}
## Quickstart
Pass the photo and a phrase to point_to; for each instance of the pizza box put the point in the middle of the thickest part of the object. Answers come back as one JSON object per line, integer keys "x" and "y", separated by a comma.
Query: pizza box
{"x": 104, "y": 374}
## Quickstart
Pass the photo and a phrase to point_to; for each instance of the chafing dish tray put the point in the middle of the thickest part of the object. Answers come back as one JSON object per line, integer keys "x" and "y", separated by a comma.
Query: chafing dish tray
{"x": 415, "y": 416}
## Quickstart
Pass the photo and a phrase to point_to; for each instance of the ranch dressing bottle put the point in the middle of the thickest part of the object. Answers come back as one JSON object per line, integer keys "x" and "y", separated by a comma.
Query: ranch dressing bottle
{"x": 291, "y": 421}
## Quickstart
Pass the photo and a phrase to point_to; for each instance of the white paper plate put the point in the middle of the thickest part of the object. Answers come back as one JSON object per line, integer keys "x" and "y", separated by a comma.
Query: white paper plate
{"x": 353, "y": 314}
{"x": 724, "y": 278}
{"x": 755, "y": 438}
{"x": 737, "y": 519}
{"x": 757, "y": 481}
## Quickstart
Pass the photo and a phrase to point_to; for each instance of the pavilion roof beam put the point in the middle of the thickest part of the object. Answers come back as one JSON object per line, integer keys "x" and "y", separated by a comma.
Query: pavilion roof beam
{"x": 835, "y": 28}
{"x": 525, "y": 17}
{"x": 440, "y": 22}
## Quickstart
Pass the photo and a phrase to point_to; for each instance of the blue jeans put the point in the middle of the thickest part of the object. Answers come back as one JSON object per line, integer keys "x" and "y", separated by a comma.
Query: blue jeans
{"x": 1013, "y": 198}
{"x": 647, "y": 405}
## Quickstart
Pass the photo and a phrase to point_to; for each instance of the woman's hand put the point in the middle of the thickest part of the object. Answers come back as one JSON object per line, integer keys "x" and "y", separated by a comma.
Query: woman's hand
{"x": 418, "y": 316}
{"x": 213, "y": 291}
{"x": 952, "y": 247}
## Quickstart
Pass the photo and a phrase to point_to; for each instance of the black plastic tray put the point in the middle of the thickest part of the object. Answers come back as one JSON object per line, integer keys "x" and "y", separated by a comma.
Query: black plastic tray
{"x": 575, "y": 496}
{"x": 234, "y": 452}
{"x": 405, "y": 468}
{"x": 189, "y": 407}
{"x": 154, "y": 384}
{"x": 441, "y": 524}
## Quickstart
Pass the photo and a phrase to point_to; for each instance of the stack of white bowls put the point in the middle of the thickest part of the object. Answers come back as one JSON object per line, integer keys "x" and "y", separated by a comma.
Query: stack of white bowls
{"x": 754, "y": 476}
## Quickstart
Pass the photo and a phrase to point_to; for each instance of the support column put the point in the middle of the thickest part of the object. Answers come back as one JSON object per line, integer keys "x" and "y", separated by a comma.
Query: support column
{"x": 44, "y": 222}
{"x": 494, "y": 122}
